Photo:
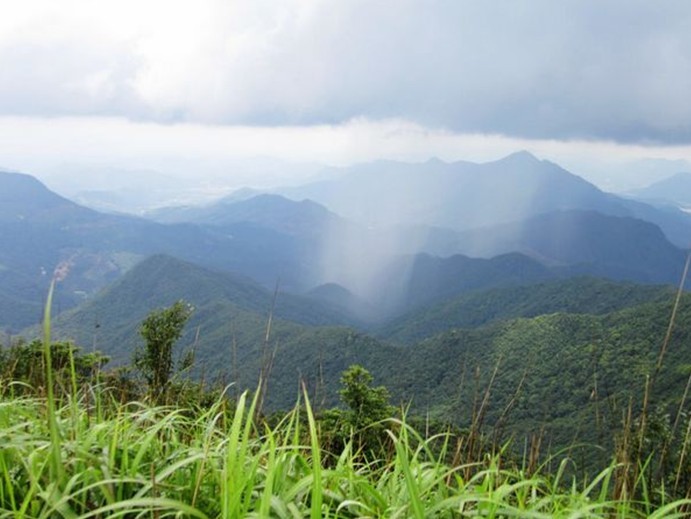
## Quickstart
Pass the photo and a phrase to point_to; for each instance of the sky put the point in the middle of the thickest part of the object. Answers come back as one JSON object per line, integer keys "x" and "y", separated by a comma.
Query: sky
{"x": 187, "y": 88}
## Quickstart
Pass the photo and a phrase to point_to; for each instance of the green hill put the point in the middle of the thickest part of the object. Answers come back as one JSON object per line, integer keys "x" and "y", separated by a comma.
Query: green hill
{"x": 581, "y": 295}
{"x": 161, "y": 280}
{"x": 570, "y": 376}
{"x": 228, "y": 325}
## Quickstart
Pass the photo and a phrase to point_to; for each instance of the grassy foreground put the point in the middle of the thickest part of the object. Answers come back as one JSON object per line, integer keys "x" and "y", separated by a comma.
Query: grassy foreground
{"x": 139, "y": 460}
{"x": 75, "y": 450}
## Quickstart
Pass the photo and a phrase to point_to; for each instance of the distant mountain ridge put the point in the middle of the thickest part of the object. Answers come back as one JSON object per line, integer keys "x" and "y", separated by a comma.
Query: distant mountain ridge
{"x": 672, "y": 190}
{"x": 430, "y": 279}
{"x": 41, "y": 230}
{"x": 22, "y": 196}
{"x": 267, "y": 210}
{"x": 304, "y": 244}
{"x": 573, "y": 241}
{"x": 464, "y": 195}
{"x": 457, "y": 195}
{"x": 615, "y": 247}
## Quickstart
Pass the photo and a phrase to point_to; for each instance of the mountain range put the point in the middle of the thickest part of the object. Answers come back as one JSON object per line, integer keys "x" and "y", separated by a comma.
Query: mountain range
{"x": 394, "y": 211}
{"x": 465, "y": 195}
{"x": 380, "y": 218}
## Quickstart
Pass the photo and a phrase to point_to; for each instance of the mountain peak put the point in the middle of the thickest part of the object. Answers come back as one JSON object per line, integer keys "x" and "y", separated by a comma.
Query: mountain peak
{"x": 434, "y": 161}
{"x": 522, "y": 156}
{"x": 23, "y": 196}
{"x": 19, "y": 184}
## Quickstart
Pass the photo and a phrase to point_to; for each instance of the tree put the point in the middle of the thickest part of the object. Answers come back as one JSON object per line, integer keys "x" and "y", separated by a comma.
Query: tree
{"x": 366, "y": 404}
{"x": 363, "y": 422}
{"x": 160, "y": 330}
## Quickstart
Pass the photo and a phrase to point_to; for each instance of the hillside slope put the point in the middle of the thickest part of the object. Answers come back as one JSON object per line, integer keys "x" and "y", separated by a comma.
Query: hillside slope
{"x": 579, "y": 295}
{"x": 161, "y": 280}
{"x": 41, "y": 230}
{"x": 609, "y": 246}
{"x": 228, "y": 326}
{"x": 567, "y": 377}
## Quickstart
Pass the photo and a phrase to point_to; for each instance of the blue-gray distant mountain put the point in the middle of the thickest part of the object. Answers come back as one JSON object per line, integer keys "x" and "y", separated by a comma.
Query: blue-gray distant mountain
{"x": 556, "y": 245}
{"x": 340, "y": 297}
{"x": 589, "y": 231}
{"x": 609, "y": 246}
{"x": 41, "y": 230}
{"x": 675, "y": 190}
{"x": 23, "y": 197}
{"x": 416, "y": 281}
{"x": 465, "y": 195}
{"x": 303, "y": 217}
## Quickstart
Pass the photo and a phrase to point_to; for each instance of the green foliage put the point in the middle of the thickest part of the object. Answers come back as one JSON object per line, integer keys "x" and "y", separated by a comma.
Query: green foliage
{"x": 364, "y": 422}
{"x": 366, "y": 404}
{"x": 161, "y": 330}
{"x": 582, "y": 295}
{"x": 22, "y": 369}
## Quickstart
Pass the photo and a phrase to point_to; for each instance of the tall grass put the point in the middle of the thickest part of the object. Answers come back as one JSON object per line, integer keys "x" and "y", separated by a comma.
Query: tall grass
{"x": 144, "y": 460}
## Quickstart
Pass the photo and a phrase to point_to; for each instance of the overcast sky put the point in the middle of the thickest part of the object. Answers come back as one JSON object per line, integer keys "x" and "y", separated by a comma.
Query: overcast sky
{"x": 586, "y": 83}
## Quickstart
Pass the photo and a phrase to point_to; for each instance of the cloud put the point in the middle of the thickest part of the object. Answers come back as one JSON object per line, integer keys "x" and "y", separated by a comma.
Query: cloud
{"x": 67, "y": 77}
{"x": 619, "y": 70}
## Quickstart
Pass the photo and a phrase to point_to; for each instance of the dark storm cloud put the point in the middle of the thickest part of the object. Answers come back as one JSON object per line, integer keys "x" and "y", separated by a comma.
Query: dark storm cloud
{"x": 601, "y": 70}
{"x": 614, "y": 70}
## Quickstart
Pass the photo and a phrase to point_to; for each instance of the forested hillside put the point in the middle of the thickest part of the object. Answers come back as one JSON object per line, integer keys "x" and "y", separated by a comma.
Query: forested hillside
{"x": 580, "y": 295}
{"x": 563, "y": 358}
